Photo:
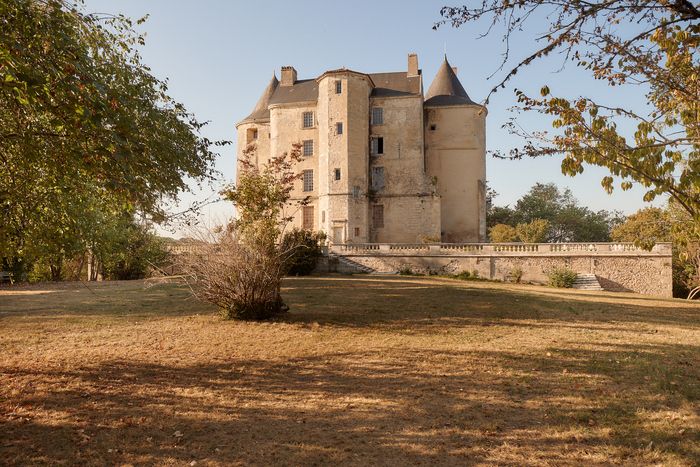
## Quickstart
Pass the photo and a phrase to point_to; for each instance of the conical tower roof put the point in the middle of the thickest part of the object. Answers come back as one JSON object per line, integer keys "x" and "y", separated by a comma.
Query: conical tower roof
{"x": 260, "y": 111}
{"x": 446, "y": 88}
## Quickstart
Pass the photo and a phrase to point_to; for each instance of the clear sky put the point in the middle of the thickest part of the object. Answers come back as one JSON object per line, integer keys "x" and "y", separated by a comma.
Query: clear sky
{"x": 219, "y": 55}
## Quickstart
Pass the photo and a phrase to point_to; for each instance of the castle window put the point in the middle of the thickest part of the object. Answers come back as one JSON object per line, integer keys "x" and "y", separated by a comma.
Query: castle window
{"x": 308, "y": 180}
{"x": 308, "y": 119}
{"x": 377, "y": 145}
{"x": 338, "y": 87}
{"x": 378, "y": 216}
{"x": 251, "y": 135}
{"x": 308, "y": 218}
{"x": 357, "y": 231}
{"x": 339, "y": 128}
{"x": 356, "y": 192}
{"x": 433, "y": 127}
{"x": 377, "y": 178}
{"x": 337, "y": 174}
{"x": 308, "y": 147}
{"x": 323, "y": 216}
{"x": 377, "y": 116}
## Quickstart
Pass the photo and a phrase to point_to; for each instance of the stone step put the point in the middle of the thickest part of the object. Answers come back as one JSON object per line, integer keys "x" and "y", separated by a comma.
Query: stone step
{"x": 353, "y": 265}
{"x": 587, "y": 282}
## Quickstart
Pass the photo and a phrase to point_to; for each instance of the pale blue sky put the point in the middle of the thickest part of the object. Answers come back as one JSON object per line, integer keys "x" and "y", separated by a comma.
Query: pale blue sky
{"x": 219, "y": 55}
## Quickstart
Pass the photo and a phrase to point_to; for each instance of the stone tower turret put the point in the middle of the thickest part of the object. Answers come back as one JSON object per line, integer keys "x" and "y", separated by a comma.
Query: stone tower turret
{"x": 255, "y": 128}
{"x": 455, "y": 138}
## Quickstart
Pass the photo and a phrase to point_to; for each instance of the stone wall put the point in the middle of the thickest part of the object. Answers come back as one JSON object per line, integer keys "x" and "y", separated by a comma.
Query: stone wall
{"x": 618, "y": 266}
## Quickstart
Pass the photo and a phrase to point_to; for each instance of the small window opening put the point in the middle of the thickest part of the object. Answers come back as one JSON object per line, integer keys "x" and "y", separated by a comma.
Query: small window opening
{"x": 308, "y": 119}
{"x": 308, "y": 147}
{"x": 337, "y": 174}
{"x": 377, "y": 116}
{"x": 308, "y": 180}
{"x": 378, "y": 215}
{"x": 338, "y": 87}
{"x": 377, "y": 145}
{"x": 339, "y": 128}
{"x": 251, "y": 135}
{"x": 433, "y": 127}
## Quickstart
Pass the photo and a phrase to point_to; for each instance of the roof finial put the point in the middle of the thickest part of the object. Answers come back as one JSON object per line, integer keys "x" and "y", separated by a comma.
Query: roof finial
{"x": 445, "y": 49}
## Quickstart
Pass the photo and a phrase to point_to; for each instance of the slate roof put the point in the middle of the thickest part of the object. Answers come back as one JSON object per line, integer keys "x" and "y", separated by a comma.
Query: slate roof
{"x": 260, "y": 111}
{"x": 446, "y": 89}
{"x": 302, "y": 91}
{"x": 395, "y": 84}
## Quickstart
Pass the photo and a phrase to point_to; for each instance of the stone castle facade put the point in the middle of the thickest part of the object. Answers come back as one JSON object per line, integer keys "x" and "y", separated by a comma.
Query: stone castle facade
{"x": 382, "y": 162}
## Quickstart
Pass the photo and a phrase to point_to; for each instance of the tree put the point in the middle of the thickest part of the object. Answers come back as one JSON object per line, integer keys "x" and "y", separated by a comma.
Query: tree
{"x": 304, "y": 247}
{"x": 84, "y": 127}
{"x": 535, "y": 231}
{"x": 650, "y": 226}
{"x": 241, "y": 269}
{"x": 568, "y": 221}
{"x": 502, "y": 233}
{"x": 652, "y": 43}
{"x": 645, "y": 228}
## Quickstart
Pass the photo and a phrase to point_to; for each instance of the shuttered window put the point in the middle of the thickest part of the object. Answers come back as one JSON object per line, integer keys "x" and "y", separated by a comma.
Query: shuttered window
{"x": 377, "y": 178}
{"x": 377, "y": 145}
{"x": 378, "y": 215}
{"x": 308, "y": 218}
{"x": 377, "y": 116}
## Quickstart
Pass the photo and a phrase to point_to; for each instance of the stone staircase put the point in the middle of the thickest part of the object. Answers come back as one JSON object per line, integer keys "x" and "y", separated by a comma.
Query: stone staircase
{"x": 348, "y": 266}
{"x": 587, "y": 282}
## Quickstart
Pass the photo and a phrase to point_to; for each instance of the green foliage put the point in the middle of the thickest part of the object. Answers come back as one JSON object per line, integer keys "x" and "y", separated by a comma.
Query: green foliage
{"x": 87, "y": 134}
{"x": 647, "y": 44}
{"x": 132, "y": 253}
{"x": 673, "y": 224}
{"x": 515, "y": 275}
{"x": 463, "y": 275}
{"x": 645, "y": 228}
{"x": 568, "y": 221}
{"x": 406, "y": 270}
{"x": 561, "y": 277}
{"x": 501, "y": 233}
{"x": 241, "y": 270}
{"x": 302, "y": 249}
{"x": 535, "y": 231}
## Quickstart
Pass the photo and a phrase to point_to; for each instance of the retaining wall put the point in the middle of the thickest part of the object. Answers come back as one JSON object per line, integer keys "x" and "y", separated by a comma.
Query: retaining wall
{"x": 619, "y": 266}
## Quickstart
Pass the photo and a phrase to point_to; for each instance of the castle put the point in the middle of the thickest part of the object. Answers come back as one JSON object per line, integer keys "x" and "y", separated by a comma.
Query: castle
{"x": 381, "y": 162}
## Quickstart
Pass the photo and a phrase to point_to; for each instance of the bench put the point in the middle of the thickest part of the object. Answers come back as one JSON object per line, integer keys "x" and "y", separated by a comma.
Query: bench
{"x": 5, "y": 277}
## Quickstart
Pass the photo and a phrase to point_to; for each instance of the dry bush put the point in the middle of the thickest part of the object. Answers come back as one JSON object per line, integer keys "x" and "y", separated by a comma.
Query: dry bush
{"x": 239, "y": 268}
{"x": 242, "y": 279}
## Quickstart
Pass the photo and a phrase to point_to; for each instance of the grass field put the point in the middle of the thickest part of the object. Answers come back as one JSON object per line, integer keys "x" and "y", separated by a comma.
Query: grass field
{"x": 363, "y": 370}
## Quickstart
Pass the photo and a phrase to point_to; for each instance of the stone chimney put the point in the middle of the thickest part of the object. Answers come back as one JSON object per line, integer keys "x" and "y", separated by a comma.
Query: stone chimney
{"x": 289, "y": 76}
{"x": 412, "y": 65}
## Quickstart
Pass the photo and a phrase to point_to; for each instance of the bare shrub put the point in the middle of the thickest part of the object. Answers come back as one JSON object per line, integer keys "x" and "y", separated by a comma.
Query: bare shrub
{"x": 242, "y": 279}
{"x": 240, "y": 267}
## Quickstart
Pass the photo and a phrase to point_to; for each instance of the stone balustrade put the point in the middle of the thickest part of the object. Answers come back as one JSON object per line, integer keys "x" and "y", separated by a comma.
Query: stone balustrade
{"x": 489, "y": 249}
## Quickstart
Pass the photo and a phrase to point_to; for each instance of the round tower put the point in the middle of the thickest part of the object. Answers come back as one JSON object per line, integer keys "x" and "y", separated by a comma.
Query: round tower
{"x": 455, "y": 139}
{"x": 254, "y": 130}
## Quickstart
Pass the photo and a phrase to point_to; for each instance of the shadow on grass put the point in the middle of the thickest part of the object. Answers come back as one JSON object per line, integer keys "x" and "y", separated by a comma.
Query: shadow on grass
{"x": 410, "y": 407}
{"x": 415, "y": 301}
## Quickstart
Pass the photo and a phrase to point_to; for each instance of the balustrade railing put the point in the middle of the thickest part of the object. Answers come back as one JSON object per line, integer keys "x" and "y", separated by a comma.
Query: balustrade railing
{"x": 457, "y": 249}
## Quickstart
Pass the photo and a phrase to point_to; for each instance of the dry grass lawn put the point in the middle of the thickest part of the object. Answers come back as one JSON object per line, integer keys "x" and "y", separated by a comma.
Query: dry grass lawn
{"x": 363, "y": 370}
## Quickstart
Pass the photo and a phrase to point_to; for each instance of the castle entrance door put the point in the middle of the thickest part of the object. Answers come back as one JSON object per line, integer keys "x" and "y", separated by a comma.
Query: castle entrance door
{"x": 338, "y": 234}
